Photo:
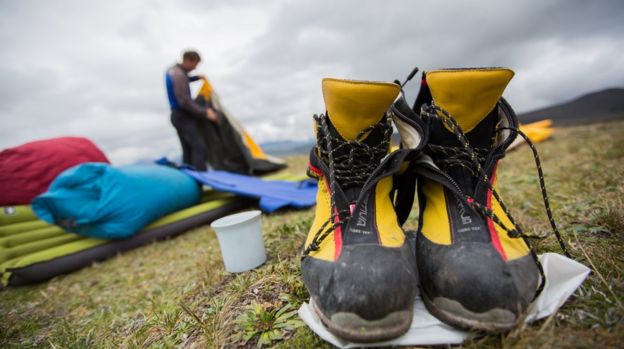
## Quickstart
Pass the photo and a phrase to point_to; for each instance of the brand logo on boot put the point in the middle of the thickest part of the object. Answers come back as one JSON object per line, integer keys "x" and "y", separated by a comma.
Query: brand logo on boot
{"x": 361, "y": 219}
{"x": 465, "y": 218}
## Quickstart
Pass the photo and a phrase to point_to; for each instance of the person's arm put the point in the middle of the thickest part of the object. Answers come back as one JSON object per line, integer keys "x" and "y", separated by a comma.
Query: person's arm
{"x": 195, "y": 77}
{"x": 182, "y": 94}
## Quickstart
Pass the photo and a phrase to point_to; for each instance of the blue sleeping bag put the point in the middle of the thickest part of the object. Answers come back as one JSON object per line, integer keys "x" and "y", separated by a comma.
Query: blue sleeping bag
{"x": 97, "y": 200}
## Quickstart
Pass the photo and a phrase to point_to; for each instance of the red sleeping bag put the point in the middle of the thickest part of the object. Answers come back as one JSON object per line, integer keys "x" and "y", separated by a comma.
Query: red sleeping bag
{"x": 27, "y": 170}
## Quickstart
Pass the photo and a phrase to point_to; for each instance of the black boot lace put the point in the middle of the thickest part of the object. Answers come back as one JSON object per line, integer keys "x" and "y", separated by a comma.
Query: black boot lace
{"x": 470, "y": 158}
{"x": 350, "y": 164}
{"x": 447, "y": 157}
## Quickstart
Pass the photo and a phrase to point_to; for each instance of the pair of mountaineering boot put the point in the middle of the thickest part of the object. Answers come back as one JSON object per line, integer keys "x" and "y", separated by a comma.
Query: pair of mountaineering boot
{"x": 474, "y": 267}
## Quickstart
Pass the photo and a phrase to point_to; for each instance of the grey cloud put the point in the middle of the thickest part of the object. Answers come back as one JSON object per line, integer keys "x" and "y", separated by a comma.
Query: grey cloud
{"x": 96, "y": 69}
{"x": 362, "y": 41}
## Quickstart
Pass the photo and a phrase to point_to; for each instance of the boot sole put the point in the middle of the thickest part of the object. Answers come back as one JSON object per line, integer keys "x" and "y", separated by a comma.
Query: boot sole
{"x": 352, "y": 327}
{"x": 454, "y": 314}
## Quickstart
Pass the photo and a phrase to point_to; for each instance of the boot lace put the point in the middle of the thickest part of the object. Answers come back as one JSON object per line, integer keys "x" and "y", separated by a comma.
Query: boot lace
{"x": 470, "y": 158}
{"x": 449, "y": 157}
{"x": 350, "y": 164}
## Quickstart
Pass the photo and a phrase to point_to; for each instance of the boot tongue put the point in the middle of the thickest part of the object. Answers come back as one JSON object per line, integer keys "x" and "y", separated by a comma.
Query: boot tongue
{"x": 469, "y": 96}
{"x": 352, "y": 106}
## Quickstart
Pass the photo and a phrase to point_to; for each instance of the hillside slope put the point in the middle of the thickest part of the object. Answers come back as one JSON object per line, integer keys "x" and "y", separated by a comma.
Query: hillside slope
{"x": 598, "y": 106}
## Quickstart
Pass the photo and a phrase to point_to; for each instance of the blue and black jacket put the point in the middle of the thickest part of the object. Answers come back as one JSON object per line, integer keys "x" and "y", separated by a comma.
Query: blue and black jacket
{"x": 179, "y": 92}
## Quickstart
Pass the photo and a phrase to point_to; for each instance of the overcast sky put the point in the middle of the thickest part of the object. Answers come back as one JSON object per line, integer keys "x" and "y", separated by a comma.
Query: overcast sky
{"x": 95, "y": 68}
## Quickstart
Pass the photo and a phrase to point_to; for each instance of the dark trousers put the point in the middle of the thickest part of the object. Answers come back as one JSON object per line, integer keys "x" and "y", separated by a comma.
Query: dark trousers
{"x": 194, "y": 149}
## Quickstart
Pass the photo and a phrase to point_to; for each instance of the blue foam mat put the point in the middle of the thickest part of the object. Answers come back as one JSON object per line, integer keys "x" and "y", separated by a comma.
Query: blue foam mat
{"x": 273, "y": 194}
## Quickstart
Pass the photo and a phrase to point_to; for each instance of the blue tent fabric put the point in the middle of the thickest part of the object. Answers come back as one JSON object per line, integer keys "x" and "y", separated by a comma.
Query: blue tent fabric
{"x": 98, "y": 200}
{"x": 273, "y": 194}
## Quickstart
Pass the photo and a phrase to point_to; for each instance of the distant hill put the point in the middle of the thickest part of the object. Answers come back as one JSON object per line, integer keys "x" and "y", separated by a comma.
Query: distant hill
{"x": 281, "y": 148}
{"x": 593, "y": 107}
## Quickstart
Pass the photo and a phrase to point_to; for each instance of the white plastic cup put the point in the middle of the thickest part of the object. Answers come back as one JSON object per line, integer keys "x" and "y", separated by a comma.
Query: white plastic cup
{"x": 240, "y": 238}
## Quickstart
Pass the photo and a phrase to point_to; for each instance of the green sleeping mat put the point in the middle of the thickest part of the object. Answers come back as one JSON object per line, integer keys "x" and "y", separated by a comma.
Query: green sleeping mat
{"x": 32, "y": 251}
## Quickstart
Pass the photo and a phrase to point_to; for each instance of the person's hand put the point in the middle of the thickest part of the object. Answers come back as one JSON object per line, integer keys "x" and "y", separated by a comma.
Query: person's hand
{"x": 211, "y": 115}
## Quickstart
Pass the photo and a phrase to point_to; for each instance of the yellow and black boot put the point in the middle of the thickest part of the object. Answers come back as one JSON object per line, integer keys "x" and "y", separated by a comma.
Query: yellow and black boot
{"x": 357, "y": 263}
{"x": 476, "y": 268}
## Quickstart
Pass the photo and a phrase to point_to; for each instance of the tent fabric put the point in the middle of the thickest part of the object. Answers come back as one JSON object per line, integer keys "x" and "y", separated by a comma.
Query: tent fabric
{"x": 99, "y": 200}
{"x": 536, "y": 131}
{"x": 230, "y": 147}
{"x": 273, "y": 194}
{"x": 33, "y": 251}
{"x": 27, "y": 170}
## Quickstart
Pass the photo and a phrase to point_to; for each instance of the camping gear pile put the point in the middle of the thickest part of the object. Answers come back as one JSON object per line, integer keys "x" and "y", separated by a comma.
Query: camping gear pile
{"x": 134, "y": 205}
{"x": 32, "y": 250}
{"x": 469, "y": 260}
{"x": 85, "y": 210}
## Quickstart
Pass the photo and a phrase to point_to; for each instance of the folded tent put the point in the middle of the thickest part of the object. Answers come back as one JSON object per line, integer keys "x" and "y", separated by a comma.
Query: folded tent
{"x": 536, "y": 131}
{"x": 231, "y": 148}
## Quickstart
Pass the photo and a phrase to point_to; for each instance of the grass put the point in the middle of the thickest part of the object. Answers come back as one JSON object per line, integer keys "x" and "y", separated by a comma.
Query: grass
{"x": 176, "y": 293}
